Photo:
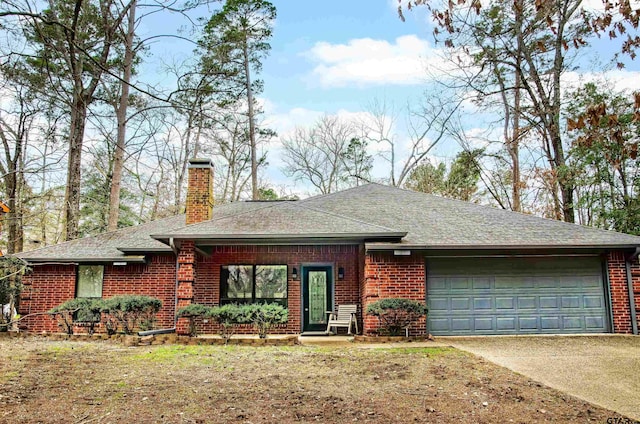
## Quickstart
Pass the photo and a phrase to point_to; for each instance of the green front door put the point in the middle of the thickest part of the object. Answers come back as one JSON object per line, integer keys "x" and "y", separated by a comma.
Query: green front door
{"x": 316, "y": 297}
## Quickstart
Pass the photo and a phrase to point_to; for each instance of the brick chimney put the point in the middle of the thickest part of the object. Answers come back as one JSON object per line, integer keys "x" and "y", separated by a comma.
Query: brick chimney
{"x": 199, "y": 191}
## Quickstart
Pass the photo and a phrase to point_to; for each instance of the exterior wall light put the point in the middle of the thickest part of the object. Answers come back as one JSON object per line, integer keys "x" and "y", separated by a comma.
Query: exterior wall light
{"x": 340, "y": 273}
{"x": 294, "y": 273}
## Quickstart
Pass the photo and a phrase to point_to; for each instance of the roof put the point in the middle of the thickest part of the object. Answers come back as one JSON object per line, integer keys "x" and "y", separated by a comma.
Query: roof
{"x": 435, "y": 222}
{"x": 282, "y": 221}
{"x": 382, "y": 216}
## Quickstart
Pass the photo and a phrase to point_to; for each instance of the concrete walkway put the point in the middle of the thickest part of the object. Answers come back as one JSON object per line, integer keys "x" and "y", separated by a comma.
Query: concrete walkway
{"x": 604, "y": 370}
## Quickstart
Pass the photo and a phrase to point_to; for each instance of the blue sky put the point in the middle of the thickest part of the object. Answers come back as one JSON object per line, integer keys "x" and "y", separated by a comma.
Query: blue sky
{"x": 336, "y": 56}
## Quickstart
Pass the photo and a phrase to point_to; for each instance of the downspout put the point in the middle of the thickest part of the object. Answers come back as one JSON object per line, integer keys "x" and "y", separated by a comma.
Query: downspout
{"x": 632, "y": 300}
{"x": 172, "y": 244}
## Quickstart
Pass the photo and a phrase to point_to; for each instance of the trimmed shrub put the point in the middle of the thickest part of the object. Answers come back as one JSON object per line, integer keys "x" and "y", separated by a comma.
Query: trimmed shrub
{"x": 227, "y": 316}
{"x": 131, "y": 310}
{"x": 193, "y": 312}
{"x": 396, "y": 314}
{"x": 79, "y": 310}
{"x": 264, "y": 316}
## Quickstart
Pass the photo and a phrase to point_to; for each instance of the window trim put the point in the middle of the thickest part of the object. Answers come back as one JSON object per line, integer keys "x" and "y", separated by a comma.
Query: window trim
{"x": 78, "y": 282}
{"x": 252, "y": 300}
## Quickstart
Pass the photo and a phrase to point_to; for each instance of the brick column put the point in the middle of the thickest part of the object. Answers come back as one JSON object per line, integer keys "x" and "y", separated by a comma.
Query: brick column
{"x": 389, "y": 276}
{"x": 619, "y": 292}
{"x": 186, "y": 278}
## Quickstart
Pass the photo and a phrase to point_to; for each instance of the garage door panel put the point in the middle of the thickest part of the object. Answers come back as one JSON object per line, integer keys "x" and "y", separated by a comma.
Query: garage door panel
{"x": 572, "y": 323}
{"x": 482, "y": 303}
{"x": 528, "y": 323}
{"x": 527, "y": 302}
{"x": 545, "y": 282}
{"x": 593, "y": 302}
{"x": 440, "y": 325}
{"x": 483, "y": 324}
{"x": 437, "y": 284}
{"x": 549, "y": 323}
{"x": 461, "y": 324}
{"x": 516, "y": 295}
{"x": 460, "y": 303}
{"x": 549, "y": 302}
{"x": 438, "y": 304}
{"x": 506, "y": 323}
{"x": 482, "y": 284}
{"x": 571, "y": 302}
{"x": 458, "y": 283}
{"x": 595, "y": 323}
{"x": 505, "y": 303}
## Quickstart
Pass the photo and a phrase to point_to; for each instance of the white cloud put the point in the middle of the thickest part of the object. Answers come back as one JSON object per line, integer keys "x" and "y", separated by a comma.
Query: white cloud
{"x": 365, "y": 61}
{"x": 618, "y": 80}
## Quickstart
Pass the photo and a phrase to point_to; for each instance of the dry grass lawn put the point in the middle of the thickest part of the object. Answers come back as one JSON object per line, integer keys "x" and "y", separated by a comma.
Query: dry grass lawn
{"x": 101, "y": 382}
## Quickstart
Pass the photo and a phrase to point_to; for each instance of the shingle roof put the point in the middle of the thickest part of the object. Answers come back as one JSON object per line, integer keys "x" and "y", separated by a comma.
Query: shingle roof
{"x": 282, "y": 220}
{"x": 436, "y": 222}
{"x": 376, "y": 213}
{"x": 124, "y": 244}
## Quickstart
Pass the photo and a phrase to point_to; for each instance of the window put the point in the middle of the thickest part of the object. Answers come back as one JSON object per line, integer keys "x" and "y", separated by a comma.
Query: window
{"x": 253, "y": 284}
{"x": 89, "y": 283}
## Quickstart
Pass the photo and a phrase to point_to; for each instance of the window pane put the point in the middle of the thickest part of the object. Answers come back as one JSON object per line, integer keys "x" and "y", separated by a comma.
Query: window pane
{"x": 90, "y": 280}
{"x": 237, "y": 281}
{"x": 271, "y": 282}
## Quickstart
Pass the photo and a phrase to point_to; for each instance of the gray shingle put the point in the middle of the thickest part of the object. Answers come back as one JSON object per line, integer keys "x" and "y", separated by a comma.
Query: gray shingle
{"x": 433, "y": 221}
{"x": 281, "y": 220}
{"x": 372, "y": 212}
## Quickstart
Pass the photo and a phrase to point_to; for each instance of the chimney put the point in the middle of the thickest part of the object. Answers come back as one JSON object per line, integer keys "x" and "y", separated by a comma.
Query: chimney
{"x": 199, "y": 191}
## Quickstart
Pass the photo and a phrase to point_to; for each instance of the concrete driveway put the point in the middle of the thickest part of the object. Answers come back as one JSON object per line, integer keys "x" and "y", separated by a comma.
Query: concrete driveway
{"x": 604, "y": 370}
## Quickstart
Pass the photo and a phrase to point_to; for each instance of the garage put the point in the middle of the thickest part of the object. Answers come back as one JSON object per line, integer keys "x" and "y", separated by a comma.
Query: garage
{"x": 516, "y": 295}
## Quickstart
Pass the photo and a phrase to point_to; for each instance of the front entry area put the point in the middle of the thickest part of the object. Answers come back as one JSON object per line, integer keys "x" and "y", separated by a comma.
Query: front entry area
{"x": 519, "y": 295}
{"x": 317, "y": 297}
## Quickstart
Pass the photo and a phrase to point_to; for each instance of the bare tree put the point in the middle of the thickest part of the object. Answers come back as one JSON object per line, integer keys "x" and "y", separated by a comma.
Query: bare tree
{"x": 426, "y": 125}
{"x": 316, "y": 155}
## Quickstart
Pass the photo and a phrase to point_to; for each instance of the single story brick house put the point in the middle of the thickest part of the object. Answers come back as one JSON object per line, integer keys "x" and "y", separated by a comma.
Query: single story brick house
{"x": 481, "y": 270}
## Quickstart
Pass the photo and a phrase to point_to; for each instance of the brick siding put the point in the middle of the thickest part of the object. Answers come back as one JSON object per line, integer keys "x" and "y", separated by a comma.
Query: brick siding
{"x": 387, "y": 276}
{"x": 620, "y": 292}
{"x": 50, "y": 285}
{"x": 199, "y": 201}
{"x": 206, "y": 289}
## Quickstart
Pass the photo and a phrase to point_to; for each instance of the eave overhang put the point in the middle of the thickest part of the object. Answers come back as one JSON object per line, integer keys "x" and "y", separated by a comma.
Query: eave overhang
{"x": 137, "y": 259}
{"x": 321, "y": 238}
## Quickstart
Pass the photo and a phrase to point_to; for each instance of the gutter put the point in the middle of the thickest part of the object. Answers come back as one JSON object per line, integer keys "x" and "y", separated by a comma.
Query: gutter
{"x": 379, "y": 246}
{"x": 632, "y": 300}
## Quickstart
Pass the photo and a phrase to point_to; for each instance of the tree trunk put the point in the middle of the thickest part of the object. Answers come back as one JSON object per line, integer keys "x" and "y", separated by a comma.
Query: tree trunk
{"x": 514, "y": 145}
{"x": 252, "y": 129}
{"x": 72, "y": 192}
{"x": 121, "y": 117}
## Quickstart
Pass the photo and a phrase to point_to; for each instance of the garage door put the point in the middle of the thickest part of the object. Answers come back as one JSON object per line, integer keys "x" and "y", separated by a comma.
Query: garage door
{"x": 516, "y": 296}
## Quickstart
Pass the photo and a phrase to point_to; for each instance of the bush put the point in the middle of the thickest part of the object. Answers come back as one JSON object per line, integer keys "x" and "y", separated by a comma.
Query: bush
{"x": 396, "y": 314}
{"x": 193, "y": 312}
{"x": 79, "y": 310}
{"x": 264, "y": 316}
{"x": 11, "y": 271}
{"x": 227, "y": 316}
{"x": 130, "y": 310}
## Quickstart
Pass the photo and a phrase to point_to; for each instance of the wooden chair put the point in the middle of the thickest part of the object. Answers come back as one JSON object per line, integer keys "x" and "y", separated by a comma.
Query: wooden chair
{"x": 344, "y": 317}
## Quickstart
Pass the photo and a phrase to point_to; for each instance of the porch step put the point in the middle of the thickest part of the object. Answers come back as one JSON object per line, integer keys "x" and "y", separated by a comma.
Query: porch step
{"x": 325, "y": 340}
{"x": 314, "y": 334}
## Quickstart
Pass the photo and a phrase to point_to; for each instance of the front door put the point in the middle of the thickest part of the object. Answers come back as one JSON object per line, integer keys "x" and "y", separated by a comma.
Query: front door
{"x": 316, "y": 297}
